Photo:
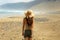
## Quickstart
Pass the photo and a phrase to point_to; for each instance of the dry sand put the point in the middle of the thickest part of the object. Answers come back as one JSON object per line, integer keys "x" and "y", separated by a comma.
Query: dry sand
{"x": 46, "y": 27}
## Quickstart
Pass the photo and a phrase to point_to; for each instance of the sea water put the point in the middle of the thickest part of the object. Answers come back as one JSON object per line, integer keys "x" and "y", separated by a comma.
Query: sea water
{"x": 9, "y": 13}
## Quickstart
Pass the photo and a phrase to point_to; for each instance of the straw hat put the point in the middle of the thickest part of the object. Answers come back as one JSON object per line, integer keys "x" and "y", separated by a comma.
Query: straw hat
{"x": 29, "y": 13}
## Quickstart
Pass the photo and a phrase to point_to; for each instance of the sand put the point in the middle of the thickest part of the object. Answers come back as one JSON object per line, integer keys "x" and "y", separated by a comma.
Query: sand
{"x": 46, "y": 27}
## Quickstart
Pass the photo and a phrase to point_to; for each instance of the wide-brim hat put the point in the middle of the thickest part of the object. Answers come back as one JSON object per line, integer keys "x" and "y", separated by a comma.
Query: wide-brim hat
{"x": 29, "y": 13}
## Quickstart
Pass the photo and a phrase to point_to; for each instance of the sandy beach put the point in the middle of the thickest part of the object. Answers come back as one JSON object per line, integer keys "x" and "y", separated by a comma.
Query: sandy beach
{"x": 46, "y": 27}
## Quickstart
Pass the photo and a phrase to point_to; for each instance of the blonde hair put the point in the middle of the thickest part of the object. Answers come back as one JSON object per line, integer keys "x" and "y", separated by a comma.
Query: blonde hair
{"x": 29, "y": 13}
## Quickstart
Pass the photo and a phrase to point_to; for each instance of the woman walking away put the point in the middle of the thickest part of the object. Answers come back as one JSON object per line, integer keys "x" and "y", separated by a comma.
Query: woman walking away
{"x": 27, "y": 25}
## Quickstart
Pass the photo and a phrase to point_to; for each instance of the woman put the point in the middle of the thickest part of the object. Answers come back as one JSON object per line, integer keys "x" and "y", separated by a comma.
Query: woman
{"x": 28, "y": 25}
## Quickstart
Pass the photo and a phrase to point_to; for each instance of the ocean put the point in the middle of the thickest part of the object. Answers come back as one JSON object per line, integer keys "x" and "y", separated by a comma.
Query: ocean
{"x": 8, "y": 13}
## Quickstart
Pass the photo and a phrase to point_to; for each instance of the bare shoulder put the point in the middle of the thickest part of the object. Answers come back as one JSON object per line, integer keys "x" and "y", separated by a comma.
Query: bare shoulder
{"x": 24, "y": 18}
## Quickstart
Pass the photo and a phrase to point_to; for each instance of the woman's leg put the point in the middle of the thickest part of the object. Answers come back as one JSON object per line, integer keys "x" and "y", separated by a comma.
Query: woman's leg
{"x": 26, "y": 38}
{"x": 29, "y": 38}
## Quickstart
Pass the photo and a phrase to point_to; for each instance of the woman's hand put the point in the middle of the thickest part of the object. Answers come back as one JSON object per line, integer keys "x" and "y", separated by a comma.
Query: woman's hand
{"x": 22, "y": 33}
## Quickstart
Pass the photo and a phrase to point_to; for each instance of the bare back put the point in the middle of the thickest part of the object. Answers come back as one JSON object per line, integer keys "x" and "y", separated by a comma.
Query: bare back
{"x": 26, "y": 27}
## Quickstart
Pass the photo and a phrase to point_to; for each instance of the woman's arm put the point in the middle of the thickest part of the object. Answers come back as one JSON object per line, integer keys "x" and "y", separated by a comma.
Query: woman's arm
{"x": 23, "y": 27}
{"x": 32, "y": 22}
